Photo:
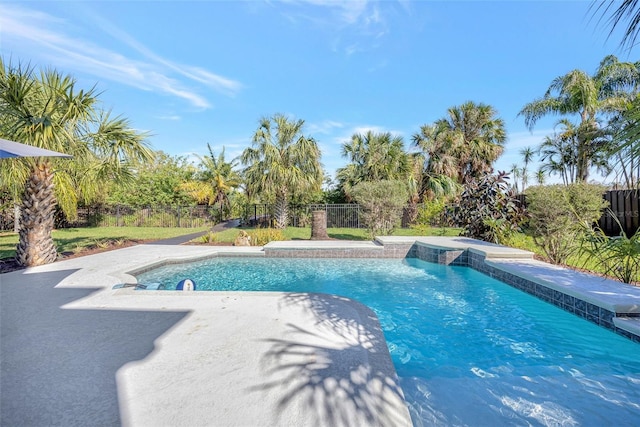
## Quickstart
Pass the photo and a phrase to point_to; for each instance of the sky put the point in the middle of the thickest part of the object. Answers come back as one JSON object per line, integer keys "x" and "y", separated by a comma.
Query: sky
{"x": 196, "y": 72}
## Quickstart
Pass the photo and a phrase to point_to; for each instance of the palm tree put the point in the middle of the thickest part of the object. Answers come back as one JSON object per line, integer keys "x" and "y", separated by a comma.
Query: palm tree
{"x": 471, "y": 136}
{"x": 516, "y": 172}
{"x": 215, "y": 181}
{"x": 607, "y": 92}
{"x": 282, "y": 161}
{"x": 541, "y": 177}
{"x": 48, "y": 111}
{"x": 625, "y": 10}
{"x": 373, "y": 157}
{"x": 440, "y": 166}
{"x": 527, "y": 156}
{"x": 558, "y": 152}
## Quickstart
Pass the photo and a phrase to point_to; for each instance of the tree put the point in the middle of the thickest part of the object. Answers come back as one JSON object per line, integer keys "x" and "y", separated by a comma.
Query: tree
{"x": 381, "y": 204}
{"x": 157, "y": 182}
{"x": 439, "y": 176}
{"x": 527, "y": 156}
{"x": 606, "y": 93}
{"x": 626, "y": 10}
{"x": 215, "y": 181}
{"x": 469, "y": 140}
{"x": 282, "y": 161}
{"x": 373, "y": 157}
{"x": 48, "y": 111}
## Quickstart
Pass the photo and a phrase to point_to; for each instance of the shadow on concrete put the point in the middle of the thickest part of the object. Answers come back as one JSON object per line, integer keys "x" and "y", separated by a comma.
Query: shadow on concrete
{"x": 341, "y": 369}
{"x": 58, "y": 366}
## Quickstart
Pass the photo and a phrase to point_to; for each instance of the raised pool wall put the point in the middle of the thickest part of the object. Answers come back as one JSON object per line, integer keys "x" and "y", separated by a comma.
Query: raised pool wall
{"x": 476, "y": 258}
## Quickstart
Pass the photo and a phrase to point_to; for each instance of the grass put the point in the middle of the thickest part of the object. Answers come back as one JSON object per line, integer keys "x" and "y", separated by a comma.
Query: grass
{"x": 78, "y": 239}
{"x": 297, "y": 233}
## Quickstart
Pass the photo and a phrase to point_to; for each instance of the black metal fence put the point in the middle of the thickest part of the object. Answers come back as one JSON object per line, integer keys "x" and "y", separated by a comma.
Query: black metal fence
{"x": 624, "y": 205}
{"x": 338, "y": 215}
{"x": 128, "y": 216}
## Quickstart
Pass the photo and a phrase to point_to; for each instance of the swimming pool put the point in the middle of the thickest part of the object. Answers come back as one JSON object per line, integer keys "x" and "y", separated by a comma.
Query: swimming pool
{"x": 469, "y": 350}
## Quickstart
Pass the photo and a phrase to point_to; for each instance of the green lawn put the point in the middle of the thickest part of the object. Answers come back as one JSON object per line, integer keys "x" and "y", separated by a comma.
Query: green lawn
{"x": 296, "y": 233}
{"x": 76, "y": 239}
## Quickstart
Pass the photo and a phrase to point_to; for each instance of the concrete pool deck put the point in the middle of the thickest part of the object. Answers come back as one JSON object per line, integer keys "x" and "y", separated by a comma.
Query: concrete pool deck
{"x": 74, "y": 351}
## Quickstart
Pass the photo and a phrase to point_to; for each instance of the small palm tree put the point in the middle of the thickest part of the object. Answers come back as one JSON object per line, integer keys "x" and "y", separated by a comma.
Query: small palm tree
{"x": 215, "y": 181}
{"x": 48, "y": 111}
{"x": 282, "y": 161}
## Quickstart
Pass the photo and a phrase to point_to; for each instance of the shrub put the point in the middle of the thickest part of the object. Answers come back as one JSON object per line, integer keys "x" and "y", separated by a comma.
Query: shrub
{"x": 488, "y": 210}
{"x": 262, "y": 236}
{"x": 381, "y": 204}
{"x": 618, "y": 257}
{"x": 209, "y": 237}
{"x": 430, "y": 214}
{"x": 559, "y": 216}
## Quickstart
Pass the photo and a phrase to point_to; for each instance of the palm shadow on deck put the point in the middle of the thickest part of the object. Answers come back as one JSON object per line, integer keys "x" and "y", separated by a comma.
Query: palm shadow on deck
{"x": 58, "y": 366}
{"x": 340, "y": 371}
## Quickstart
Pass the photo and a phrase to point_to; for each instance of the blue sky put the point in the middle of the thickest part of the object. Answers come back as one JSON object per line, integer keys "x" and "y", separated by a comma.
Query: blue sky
{"x": 199, "y": 72}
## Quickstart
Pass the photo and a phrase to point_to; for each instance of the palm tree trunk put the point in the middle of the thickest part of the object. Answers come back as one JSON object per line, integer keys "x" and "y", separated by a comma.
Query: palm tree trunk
{"x": 282, "y": 209}
{"x": 36, "y": 246}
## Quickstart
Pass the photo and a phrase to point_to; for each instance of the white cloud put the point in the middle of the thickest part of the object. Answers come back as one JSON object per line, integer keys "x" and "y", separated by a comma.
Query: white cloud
{"x": 352, "y": 24}
{"x": 172, "y": 117}
{"x": 47, "y": 36}
{"x": 324, "y": 127}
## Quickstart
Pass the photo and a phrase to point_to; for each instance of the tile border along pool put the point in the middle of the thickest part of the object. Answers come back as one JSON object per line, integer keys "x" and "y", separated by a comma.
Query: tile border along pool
{"x": 605, "y": 302}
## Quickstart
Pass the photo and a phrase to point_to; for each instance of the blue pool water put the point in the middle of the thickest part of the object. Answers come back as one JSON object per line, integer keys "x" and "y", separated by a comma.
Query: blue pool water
{"x": 469, "y": 350}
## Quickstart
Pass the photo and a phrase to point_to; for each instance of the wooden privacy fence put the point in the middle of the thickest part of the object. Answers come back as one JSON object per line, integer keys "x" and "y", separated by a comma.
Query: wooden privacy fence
{"x": 623, "y": 205}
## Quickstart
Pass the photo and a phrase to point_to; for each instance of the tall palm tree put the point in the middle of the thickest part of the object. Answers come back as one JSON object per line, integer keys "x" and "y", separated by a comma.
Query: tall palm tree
{"x": 282, "y": 161}
{"x": 440, "y": 166}
{"x": 527, "y": 154}
{"x": 473, "y": 136}
{"x": 516, "y": 172}
{"x": 373, "y": 157}
{"x": 608, "y": 92}
{"x": 214, "y": 182}
{"x": 48, "y": 111}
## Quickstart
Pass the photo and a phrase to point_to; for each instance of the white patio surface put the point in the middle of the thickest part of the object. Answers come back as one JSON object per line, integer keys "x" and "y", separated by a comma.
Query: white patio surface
{"x": 73, "y": 351}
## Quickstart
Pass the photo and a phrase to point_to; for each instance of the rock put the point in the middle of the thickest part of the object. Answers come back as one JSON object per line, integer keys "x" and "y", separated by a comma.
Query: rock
{"x": 243, "y": 239}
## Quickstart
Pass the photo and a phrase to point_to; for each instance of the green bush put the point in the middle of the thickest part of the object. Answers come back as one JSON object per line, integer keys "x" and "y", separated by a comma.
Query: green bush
{"x": 430, "y": 214}
{"x": 488, "y": 210}
{"x": 262, "y": 236}
{"x": 560, "y": 216}
{"x": 381, "y": 204}
{"x": 618, "y": 257}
